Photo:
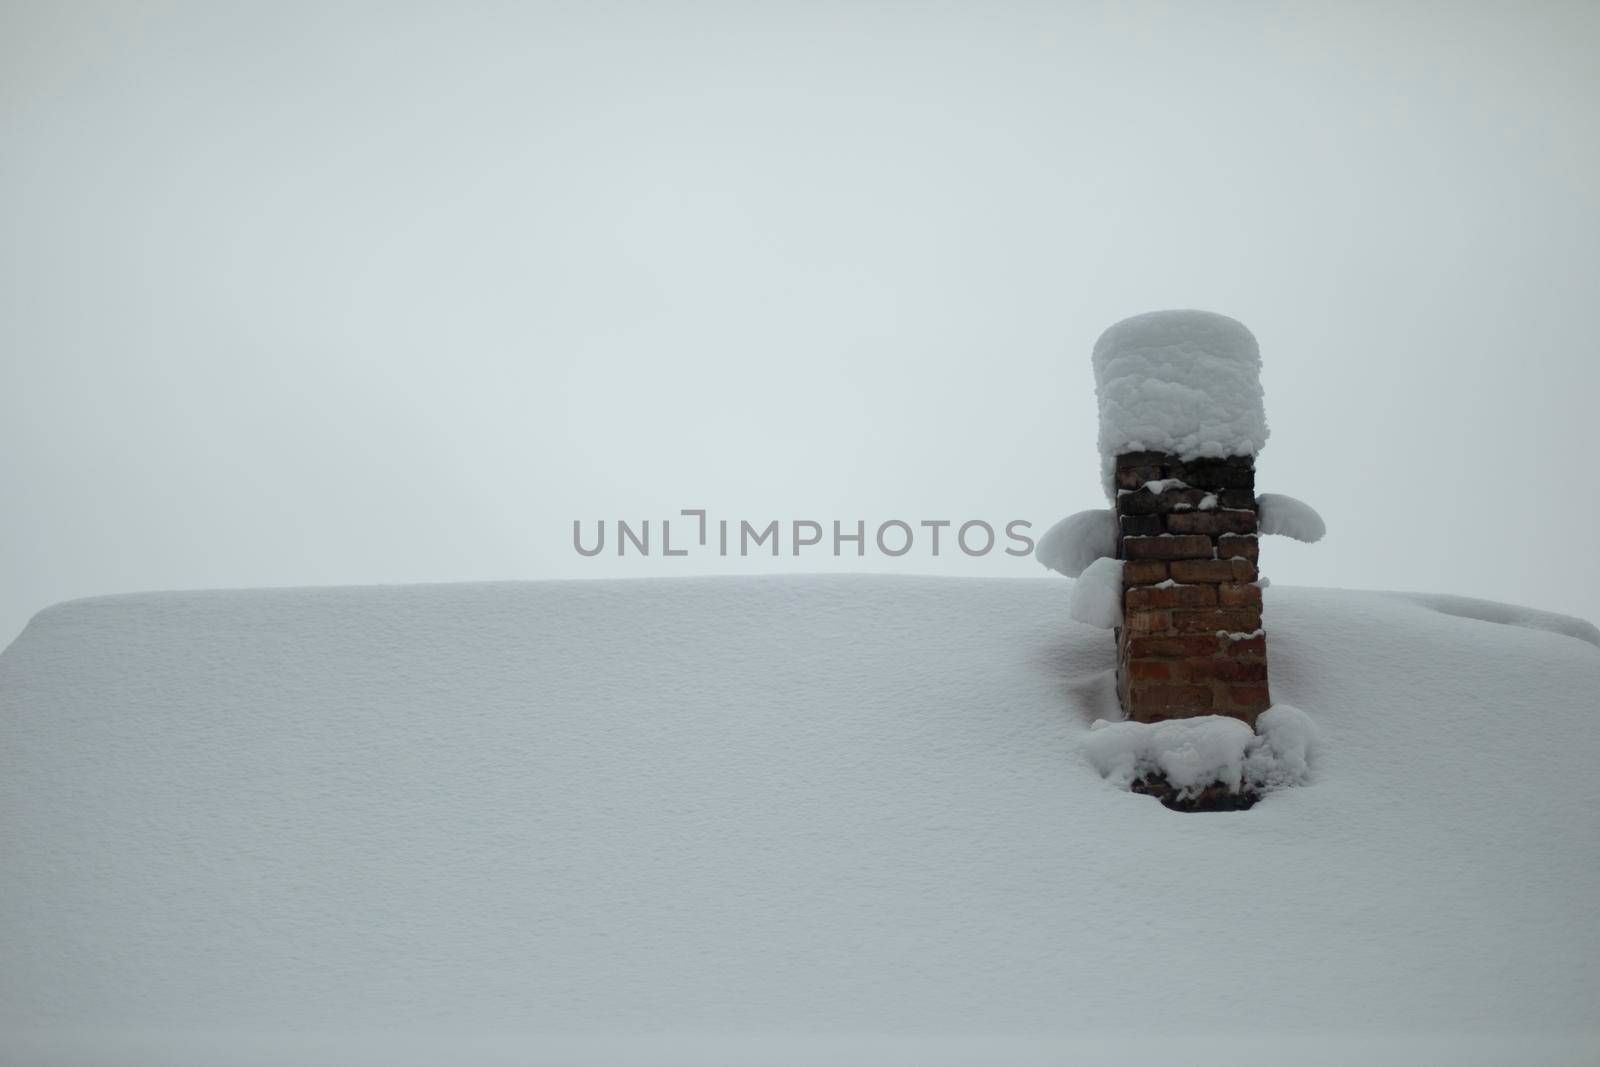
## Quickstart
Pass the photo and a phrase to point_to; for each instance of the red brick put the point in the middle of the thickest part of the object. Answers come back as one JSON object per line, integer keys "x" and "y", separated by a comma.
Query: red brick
{"x": 1140, "y": 526}
{"x": 1244, "y": 647}
{"x": 1144, "y": 459}
{"x": 1136, "y": 468}
{"x": 1212, "y": 522}
{"x": 1189, "y": 645}
{"x": 1147, "y": 622}
{"x": 1232, "y": 545}
{"x": 1233, "y": 620}
{"x": 1144, "y": 502}
{"x": 1254, "y": 697}
{"x": 1154, "y": 697}
{"x": 1224, "y": 669}
{"x": 1244, "y": 570}
{"x": 1239, "y": 595}
{"x": 1203, "y": 570}
{"x": 1143, "y": 572}
{"x": 1218, "y": 474}
{"x": 1193, "y": 546}
{"x": 1142, "y": 598}
{"x": 1158, "y": 669}
{"x": 1236, "y": 498}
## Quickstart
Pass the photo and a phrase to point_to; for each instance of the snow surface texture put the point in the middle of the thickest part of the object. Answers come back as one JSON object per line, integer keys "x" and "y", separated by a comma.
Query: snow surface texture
{"x": 1288, "y": 517}
{"x": 1192, "y": 754}
{"x": 1078, "y": 540}
{"x": 844, "y": 819}
{"x": 1185, "y": 382}
{"x": 1465, "y": 607}
{"x": 1097, "y": 596}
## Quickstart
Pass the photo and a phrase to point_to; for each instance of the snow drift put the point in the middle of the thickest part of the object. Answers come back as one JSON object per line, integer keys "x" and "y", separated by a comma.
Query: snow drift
{"x": 1191, "y": 754}
{"x": 831, "y": 819}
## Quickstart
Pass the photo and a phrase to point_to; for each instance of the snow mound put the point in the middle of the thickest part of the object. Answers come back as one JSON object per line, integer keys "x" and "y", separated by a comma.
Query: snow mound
{"x": 1078, "y": 540}
{"x": 1192, "y": 754}
{"x": 1286, "y": 744}
{"x": 1185, "y": 382}
{"x": 1464, "y": 607}
{"x": 1288, "y": 517}
{"x": 577, "y": 816}
{"x": 1097, "y": 595}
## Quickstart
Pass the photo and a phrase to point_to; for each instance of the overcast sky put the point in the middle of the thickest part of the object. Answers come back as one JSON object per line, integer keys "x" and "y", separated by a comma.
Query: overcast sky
{"x": 303, "y": 295}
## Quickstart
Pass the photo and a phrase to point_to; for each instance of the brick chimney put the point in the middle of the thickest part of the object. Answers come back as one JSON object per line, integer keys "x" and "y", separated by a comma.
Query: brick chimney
{"x": 1182, "y": 419}
{"x": 1191, "y": 642}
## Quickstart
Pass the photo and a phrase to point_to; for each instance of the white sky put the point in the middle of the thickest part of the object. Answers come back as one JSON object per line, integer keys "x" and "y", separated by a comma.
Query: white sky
{"x": 387, "y": 294}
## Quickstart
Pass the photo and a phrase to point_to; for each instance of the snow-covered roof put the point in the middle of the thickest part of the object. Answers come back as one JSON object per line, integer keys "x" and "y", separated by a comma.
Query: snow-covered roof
{"x": 1184, "y": 382}
{"x": 538, "y": 822}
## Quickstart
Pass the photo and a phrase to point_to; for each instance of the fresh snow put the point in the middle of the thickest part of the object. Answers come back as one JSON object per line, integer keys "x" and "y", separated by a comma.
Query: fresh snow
{"x": 1207, "y": 750}
{"x": 1185, "y": 382}
{"x": 1075, "y": 542}
{"x": 1490, "y": 611}
{"x": 1288, "y": 517}
{"x": 1097, "y": 595}
{"x": 1282, "y": 755}
{"x": 778, "y": 820}
{"x": 1157, "y": 486}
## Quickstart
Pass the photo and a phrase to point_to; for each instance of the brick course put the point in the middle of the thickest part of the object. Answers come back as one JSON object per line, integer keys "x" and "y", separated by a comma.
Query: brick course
{"x": 1144, "y": 572}
{"x": 1194, "y": 546}
{"x": 1213, "y": 522}
{"x": 1172, "y": 596}
{"x": 1232, "y": 546}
